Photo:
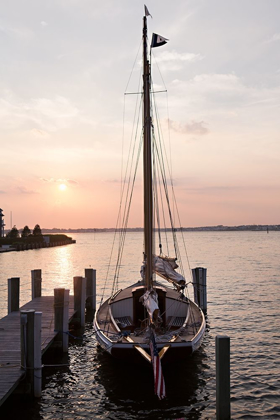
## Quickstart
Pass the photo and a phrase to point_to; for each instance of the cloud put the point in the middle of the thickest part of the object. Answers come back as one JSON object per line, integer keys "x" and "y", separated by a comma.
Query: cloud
{"x": 208, "y": 92}
{"x": 223, "y": 94}
{"x": 48, "y": 179}
{"x": 20, "y": 33}
{"x": 72, "y": 181}
{"x": 172, "y": 60}
{"x": 39, "y": 133}
{"x": 221, "y": 82}
{"x": 24, "y": 190}
{"x": 60, "y": 180}
{"x": 274, "y": 38}
{"x": 43, "y": 23}
{"x": 223, "y": 189}
{"x": 113, "y": 181}
{"x": 214, "y": 189}
{"x": 175, "y": 56}
{"x": 48, "y": 114}
{"x": 195, "y": 127}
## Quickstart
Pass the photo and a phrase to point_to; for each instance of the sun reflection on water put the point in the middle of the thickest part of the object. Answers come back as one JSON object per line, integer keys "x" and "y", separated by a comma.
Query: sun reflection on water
{"x": 243, "y": 302}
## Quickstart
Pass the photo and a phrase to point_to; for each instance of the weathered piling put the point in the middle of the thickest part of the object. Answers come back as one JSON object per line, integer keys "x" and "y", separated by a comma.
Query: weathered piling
{"x": 23, "y": 343}
{"x": 24, "y": 355}
{"x": 90, "y": 275}
{"x": 31, "y": 359}
{"x": 199, "y": 286}
{"x": 36, "y": 283}
{"x": 13, "y": 294}
{"x": 37, "y": 355}
{"x": 222, "y": 377}
{"x": 80, "y": 298}
{"x": 61, "y": 316}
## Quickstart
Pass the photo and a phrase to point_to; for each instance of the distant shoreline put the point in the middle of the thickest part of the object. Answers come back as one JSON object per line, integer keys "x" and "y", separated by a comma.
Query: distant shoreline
{"x": 218, "y": 228}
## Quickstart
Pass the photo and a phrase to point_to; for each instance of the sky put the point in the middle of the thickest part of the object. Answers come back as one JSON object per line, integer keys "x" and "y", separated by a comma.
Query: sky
{"x": 65, "y": 66}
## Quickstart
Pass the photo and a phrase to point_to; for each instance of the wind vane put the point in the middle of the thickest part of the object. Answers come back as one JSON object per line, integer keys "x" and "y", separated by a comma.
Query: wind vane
{"x": 147, "y": 13}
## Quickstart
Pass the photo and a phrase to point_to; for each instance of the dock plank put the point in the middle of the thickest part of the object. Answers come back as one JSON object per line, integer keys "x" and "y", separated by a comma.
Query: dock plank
{"x": 10, "y": 355}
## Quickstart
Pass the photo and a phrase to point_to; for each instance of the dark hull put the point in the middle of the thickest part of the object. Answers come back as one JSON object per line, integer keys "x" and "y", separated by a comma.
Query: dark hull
{"x": 124, "y": 344}
{"x": 133, "y": 356}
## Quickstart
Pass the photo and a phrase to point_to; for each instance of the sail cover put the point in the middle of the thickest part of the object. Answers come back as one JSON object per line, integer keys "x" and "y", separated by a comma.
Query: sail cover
{"x": 165, "y": 267}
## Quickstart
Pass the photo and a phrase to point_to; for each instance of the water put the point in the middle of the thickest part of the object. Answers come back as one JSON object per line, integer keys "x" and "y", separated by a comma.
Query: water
{"x": 243, "y": 302}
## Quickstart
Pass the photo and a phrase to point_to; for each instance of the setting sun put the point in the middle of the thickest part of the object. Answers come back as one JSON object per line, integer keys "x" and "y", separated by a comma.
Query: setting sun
{"x": 62, "y": 187}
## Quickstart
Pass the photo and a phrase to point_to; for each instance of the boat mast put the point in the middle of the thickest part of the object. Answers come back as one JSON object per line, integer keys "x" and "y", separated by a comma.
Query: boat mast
{"x": 147, "y": 168}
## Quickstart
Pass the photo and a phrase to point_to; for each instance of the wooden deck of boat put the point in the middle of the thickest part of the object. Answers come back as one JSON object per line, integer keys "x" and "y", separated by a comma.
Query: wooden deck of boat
{"x": 126, "y": 293}
{"x": 188, "y": 334}
{"x": 10, "y": 354}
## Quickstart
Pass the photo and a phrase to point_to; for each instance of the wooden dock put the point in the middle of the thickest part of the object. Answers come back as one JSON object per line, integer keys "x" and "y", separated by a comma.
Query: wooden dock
{"x": 11, "y": 372}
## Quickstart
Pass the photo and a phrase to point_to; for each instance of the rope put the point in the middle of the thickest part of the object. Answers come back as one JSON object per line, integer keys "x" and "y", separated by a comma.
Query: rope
{"x": 133, "y": 65}
{"x": 128, "y": 201}
{"x": 58, "y": 365}
{"x": 126, "y": 210}
{"x": 161, "y": 151}
{"x": 70, "y": 335}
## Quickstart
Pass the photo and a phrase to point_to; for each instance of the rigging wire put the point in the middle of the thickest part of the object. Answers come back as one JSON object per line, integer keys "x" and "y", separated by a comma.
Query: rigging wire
{"x": 159, "y": 193}
{"x": 173, "y": 194}
{"x": 122, "y": 230}
{"x": 157, "y": 180}
{"x": 122, "y": 182}
{"x": 168, "y": 120}
{"x": 171, "y": 168}
{"x": 120, "y": 226}
{"x": 133, "y": 65}
{"x": 165, "y": 187}
{"x": 160, "y": 150}
{"x": 155, "y": 195}
{"x": 125, "y": 222}
{"x": 129, "y": 192}
{"x": 160, "y": 188}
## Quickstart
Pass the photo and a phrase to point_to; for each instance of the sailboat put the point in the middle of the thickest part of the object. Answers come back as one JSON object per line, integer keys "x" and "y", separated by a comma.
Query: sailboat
{"x": 153, "y": 319}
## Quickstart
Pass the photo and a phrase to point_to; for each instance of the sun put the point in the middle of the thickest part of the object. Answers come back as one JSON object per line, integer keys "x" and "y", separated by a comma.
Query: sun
{"x": 62, "y": 187}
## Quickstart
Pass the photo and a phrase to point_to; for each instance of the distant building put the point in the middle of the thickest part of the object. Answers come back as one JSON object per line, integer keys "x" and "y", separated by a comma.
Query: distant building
{"x": 2, "y": 224}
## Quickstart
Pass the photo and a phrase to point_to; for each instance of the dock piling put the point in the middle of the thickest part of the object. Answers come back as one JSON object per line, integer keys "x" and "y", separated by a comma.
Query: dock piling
{"x": 80, "y": 298}
{"x": 26, "y": 335}
{"x": 199, "y": 286}
{"x": 65, "y": 339}
{"x": 37, "y": 355}
{"x": 222, "y": 377}
{"x": 36, "y": 283}
{"x": 90, "y": 275}
{"x": 13, "y": 294}
{"x": 61, "y": 316}
{"x": 31, "y": 359}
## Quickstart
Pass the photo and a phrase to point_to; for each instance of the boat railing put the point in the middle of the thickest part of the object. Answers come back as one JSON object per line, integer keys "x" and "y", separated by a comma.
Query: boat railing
{"x": 115, "y": 294}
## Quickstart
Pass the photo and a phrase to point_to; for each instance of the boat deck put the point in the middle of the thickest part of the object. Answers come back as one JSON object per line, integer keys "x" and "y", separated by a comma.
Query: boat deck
{"x": 140, "y": 334}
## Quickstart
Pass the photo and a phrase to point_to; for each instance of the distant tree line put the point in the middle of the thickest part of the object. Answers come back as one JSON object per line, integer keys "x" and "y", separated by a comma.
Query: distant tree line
{"x": 26, "y": 232}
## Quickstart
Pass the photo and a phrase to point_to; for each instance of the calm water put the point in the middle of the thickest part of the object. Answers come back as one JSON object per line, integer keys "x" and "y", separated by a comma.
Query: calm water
{"x": 243, "y": 302}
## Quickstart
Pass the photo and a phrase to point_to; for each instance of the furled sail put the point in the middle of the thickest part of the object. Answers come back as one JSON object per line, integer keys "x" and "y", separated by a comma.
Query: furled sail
{"x": 165, "y": 267}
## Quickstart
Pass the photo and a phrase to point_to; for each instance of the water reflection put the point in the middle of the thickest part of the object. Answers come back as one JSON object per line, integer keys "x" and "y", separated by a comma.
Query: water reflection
{"x": 243, "y": 302}
{"x": 64, "y": 263}
{"x": 129, "y": 388}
